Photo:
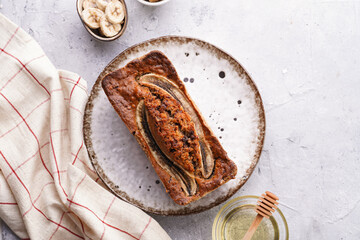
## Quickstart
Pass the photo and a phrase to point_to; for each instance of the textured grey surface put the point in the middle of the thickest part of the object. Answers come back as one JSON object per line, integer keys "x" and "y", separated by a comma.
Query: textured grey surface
{"x": 303, "y": 55}
{"x": 6, "y": 233}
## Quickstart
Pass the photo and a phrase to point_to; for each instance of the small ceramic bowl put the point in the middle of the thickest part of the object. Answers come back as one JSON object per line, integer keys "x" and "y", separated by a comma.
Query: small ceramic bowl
{"x": 235, "y": 217}
{"x": 95, "y": 32}
{"x": 153, "y": 3}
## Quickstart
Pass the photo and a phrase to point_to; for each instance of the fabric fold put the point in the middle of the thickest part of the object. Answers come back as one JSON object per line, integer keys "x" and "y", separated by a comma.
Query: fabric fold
{"x": 48, "y": 187}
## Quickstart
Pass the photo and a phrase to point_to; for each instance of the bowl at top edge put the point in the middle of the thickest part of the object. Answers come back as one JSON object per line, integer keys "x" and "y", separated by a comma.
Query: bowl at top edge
{"x": 154, "y": 4}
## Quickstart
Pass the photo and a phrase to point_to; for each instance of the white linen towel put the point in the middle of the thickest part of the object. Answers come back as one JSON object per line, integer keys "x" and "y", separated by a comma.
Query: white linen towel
{"x": 48, "y": 188}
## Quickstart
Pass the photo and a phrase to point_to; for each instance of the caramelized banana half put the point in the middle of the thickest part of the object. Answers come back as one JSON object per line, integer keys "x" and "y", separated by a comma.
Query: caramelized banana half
{"x": 172, "y": 127}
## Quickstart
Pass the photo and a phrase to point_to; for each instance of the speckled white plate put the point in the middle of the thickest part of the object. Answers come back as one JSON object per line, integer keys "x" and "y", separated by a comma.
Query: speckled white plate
{"x": 227, "y": 98}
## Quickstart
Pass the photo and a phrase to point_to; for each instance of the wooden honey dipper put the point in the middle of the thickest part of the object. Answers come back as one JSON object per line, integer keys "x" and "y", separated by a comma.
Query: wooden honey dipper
{"x": 265, "y": 207}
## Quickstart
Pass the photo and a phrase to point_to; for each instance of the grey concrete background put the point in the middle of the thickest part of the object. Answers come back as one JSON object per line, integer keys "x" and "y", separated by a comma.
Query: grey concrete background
{"x": 305, "y": 58}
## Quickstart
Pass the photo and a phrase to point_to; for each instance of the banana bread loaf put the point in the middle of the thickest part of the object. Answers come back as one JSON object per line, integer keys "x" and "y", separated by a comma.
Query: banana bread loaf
{"x": 155, "y": 106}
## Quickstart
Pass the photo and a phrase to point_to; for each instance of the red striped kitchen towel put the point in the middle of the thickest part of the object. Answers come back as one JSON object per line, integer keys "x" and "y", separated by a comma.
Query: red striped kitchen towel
{"x": 48, "y": 188}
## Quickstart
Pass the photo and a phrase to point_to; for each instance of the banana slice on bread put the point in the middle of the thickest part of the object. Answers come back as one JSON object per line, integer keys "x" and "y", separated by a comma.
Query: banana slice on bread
{"x": 105, "y": 15}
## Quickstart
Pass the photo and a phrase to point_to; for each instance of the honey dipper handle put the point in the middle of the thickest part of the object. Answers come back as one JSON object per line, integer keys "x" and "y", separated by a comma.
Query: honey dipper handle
{"x": 253, "y": 227}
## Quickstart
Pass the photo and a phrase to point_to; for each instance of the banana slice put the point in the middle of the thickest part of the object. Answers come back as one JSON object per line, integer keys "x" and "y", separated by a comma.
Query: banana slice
{"x": 115, "y": 12}
{"x": 103, "y": 3}
{"x": 89, "y": 4}
{"x": 107, "y": 28}
{"x": 91, "y": 17}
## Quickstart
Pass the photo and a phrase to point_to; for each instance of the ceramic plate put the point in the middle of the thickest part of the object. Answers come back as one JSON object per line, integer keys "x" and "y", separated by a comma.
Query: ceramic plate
{"x": 226, "y": 97}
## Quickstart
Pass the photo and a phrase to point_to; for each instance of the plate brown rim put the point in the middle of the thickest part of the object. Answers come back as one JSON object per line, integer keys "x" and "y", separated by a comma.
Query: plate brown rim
{"x": 97, "y": 88}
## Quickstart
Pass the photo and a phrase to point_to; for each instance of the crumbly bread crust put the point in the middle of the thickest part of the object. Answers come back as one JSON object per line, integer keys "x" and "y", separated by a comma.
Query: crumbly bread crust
{"x": 173, "y": 130}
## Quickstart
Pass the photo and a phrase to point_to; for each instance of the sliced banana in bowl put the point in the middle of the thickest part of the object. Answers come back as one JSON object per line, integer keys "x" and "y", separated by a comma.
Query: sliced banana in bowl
{"x": 107, "y": 28}
{"x": 91, "y": 17}
{"x": 89, "y": 4}
{"x": 115, "y": 12}
{"x": 103, "y": 3}
{"x": 105, "y": 20}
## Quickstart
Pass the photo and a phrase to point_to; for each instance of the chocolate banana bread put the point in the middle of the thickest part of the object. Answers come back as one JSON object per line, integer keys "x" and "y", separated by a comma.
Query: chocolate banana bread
{"x": 155, "y": 106}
